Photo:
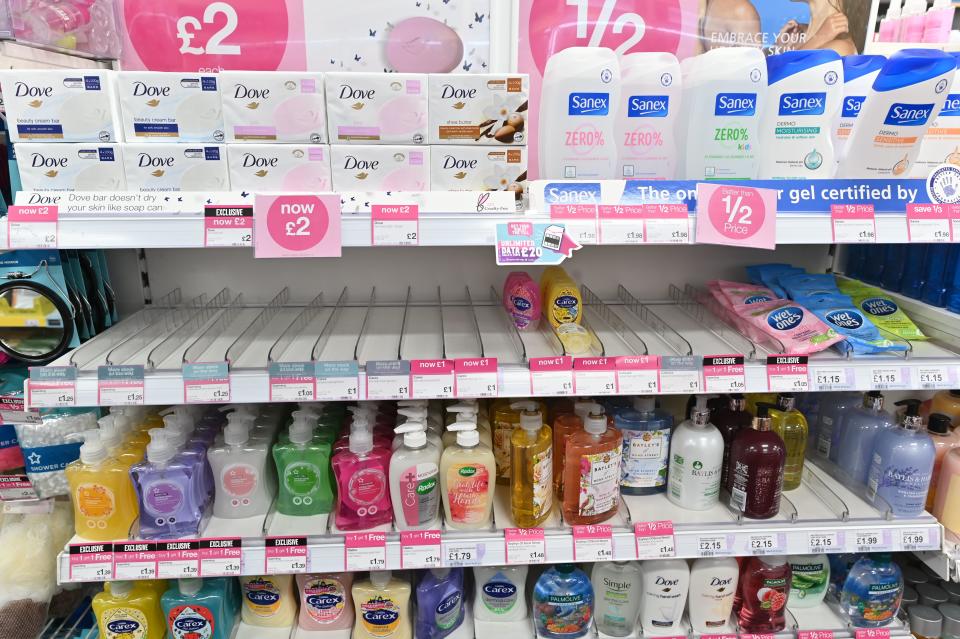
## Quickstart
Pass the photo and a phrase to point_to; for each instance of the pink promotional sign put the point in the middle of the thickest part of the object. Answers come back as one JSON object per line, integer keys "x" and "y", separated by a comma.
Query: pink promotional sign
{"x": 736, "y": 216}
{"x": 297, "y": 226}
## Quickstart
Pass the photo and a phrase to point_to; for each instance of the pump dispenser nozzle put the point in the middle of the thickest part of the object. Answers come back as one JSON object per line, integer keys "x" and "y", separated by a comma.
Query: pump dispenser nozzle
{"x": 301, "y": 430}
{"x": 911, "y": 419}
{"x": 583, "y": 408}
{"x": 700, "y": 413}
{"x": 467, "y": 435}
{"x": 361, "y": 440}
{"x": 236, "y": 433}
{"x": 786, "y": 401}
{"x": 645, "y": 404}
{"x": 762, "y": 420}
{"x": 93, "y": 451}
{"x": 873, "y": 400}
{"x": 414, "y": 433}
{"x": 596, "y": 422}
{"x": 160, "y": 449}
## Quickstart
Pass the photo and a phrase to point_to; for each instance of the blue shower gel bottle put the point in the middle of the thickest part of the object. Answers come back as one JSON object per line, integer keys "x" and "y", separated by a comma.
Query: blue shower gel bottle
{"x": 872, "y": 591}
{"x": 902, "y": 464}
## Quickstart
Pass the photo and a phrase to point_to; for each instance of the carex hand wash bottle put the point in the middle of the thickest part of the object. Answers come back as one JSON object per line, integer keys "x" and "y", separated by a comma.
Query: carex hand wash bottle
{"x": 382, "y": 605}
{"x": 905, "y": 98}
{"x": 126, "y": 610}
{"x": 531, "y": 479}
{"x": 467, "y": 480}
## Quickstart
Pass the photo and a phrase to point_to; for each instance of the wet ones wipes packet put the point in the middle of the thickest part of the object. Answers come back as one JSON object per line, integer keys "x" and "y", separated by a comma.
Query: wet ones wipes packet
{"x": 800, "y": 331}
{"x": 884, "y": 311}
{"x": 839, "y": 312}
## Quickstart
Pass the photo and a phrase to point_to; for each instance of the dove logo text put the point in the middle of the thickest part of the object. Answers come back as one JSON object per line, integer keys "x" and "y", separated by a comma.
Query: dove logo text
{"x": 347, "y": 92}
{"x": 351, "y": 163}
{"x": 145, "y": 159}
{"x": 450, "y": 162}
{"x": 38, "y": 160}
{"x": 24, "y": 90}
{"x": 244, "y": 93}
{"x": 452, "y": 93}
{"x": 144, "y": 89}
{"x": 251, "y": 160}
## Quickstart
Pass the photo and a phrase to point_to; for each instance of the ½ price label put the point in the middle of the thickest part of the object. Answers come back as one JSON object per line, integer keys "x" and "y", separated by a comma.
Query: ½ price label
{"x": 655, "y": 539}
{"x": 853, "y": 223}
{"x": 593, "y": 542}
{"x": 525, "y": 545}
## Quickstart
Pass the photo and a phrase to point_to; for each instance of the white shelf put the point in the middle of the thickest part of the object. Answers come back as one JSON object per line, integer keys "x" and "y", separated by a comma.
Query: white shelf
{"x": 24, "y": 55}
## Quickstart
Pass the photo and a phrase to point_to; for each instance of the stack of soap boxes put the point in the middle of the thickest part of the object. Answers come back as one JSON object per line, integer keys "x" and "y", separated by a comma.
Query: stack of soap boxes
{"x": 267, "y": 131}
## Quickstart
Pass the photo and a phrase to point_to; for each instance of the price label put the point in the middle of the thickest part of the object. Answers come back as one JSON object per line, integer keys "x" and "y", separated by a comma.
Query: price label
{"x": 680, "y": 374}
{"x": 765, "y": 544}
{"x": 638, "y": 375}
{"x": 134, "y": 560}
{"x": 757, "y": 635}
{"x": 666, "y": 224}
{"x": 227, "y": 226}
{"x": 722, "y": 636}
{"x": 91, "y": 562}
{"x": 871, "y": 541}
{"x": 920, "y": 539}
{"x": 221, "y": 557}
{"x": 872, "y": 633}
{"x": 595, "y": 375}
{"x": 178, "y": 559}
{"x": 365, "y": 551}
{"x": 579, "y": 220}
{"x": 824, "y": 542}
{"x": 32, "y": 227}
{"x": 930, "y": 223}
{"x": 420, "y": 549}
{"x": 787, "y": 374}
{"x": 724, "y": 374}
{"x": 206, "y": 383}
{"x": 337, "y": 381}
{"x": 292, "y": 381}
{"x": 52, "y": 386}
{"x": 853, "y": 223}
{"x": 462, "y": 553}
{"x": 936, "y": 377}
{"x": 713, "y": 546}
{"x": 476, "y": 376}
{"x": 285, "y": 555}
{"x": 890, "y": 378}
{"x": 16, "y": 487}
{"x": 525, "y": 545}
{"x": 655, "y": 539}
{"x": 120, "y": 385}
{"x": 621, "y": 224}
{"x": 815, "y": 634}
{"x": 388, "y": 379}
{"x": 395, "y": 224}
{"x": 551, "y": 375}
{"x": 832, "y": 378}
{"x": 432, "y": 378}
{"x": 593, "y": 542}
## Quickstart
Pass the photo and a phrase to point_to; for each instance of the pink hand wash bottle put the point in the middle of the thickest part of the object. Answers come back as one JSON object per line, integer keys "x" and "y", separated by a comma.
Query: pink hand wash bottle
{"x": 363, "y": 491}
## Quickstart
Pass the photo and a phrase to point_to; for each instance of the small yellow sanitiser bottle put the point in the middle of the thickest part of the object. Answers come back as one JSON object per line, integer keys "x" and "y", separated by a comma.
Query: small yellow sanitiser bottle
{"x": 562, "y": 302}
{"x": 125, "y": 612}
{"x": 268, "y": 602}
{"x": 104, "y": 499}
{"x": 792, "y": 427}
{"x": 382, "y": 606}
{"x": 531, "y": 479}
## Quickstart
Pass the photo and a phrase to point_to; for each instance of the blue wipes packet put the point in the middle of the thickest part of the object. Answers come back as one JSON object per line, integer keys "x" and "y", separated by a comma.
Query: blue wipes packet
{"x": 862, "y": 337}
{"x": 805, "y": 284}
{"x": 769, "y": 274}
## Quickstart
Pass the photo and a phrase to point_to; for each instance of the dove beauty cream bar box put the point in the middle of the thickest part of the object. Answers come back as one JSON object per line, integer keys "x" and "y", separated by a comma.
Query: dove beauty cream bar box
{"x": 482, "y": 109}
{"x": 376, "y": 108}
{"x": 273, "y": 106}
{"x": 263, "y": 168}
{"x": 478, "y": 168}
{"x": 62, "y": 105}
{"x": 372, "y": 167}
{"x": 176, "y": 167}
{"x": 169, "y": 107}
{"x": 76, "y": 166}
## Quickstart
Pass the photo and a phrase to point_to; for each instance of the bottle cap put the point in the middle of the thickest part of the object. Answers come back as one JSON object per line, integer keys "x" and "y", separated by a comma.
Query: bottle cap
{"x": 645, "y": 403}
{"x": 939, "y": 423}
{"x": 236, "y": 434}
{"x": 931, "y": 595}
{"x": 955, "y": 392}
{"x": 440, "y": 573}
{"x": 700, "y": 413}
{"x": 313, "y": 409}
{"x": 414, "y": 434}
{"x": 910, "y": 597}
{"x": 121, "y": 588}
{"x": 913, "y": 576}
{"x": 952, "y": 589}
{"x": 925, "y": 621}
{"x": 240, "y": 409}
{"x": 465, "y": 410}
{"x": 530, "y": 417}
{"x": 380, "y": 578}
{"x": 762, "y": 419}
{"x": 951, "y": 619}
{"x": 301, "y": 430}
{"x": 190, "y": 586}
{"x": 773, "y": 560}
{"x": 911, "y": 418}
{"x": 786, "y": 401}
{"x": 109, "y": 434}
{"x": 595, "y": 423}
{"x": 361, "y": 439}
{"x": 738, "y": 402}
{"x": 160, "y": 449}
{"x": 582, "y": 408}
{"x": 873, "y": 400}
{"x": 893, "y": 11}
{"x": 467, "y": 435}
{"x": 92, "y": 451}
{"x": 564, "y": 569}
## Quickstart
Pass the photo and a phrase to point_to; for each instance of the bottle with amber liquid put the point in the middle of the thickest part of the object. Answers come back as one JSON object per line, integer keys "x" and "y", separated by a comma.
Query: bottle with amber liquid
{"x": 591, "y": 472}
{"x": 757, "y": 459}
{"x": 565, "y": 425}
{"x": 792, "y": 427}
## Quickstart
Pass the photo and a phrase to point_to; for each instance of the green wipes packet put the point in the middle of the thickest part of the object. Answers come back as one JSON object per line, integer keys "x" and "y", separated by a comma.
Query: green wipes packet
{"x": 885, "y": 313}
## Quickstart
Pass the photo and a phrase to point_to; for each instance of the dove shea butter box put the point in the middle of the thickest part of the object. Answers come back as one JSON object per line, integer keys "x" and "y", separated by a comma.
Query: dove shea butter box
{"x": 273, "y": 106}
{"x": 74, "y": 166}
{"x": 376, "y": 108}
{"x": 478, "y": 168}
{"x": 478, "y": 108}
{"x": 263, "y": 168}
{"x": 170, "y": 107}
{"x": 176, "y": 167}
{"x": 372, "y": 167}
{"x": 62, "y": 105}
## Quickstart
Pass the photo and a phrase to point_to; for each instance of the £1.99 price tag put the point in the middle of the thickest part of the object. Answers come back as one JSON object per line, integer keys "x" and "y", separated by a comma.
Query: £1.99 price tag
{"x": 914, "y": 539}
{"x": 365, "y": 551}
{"x": 395, "y": 224}
{"x": 525, "y": 545}
{"x": 593, "y": 542}
{"x": 870, "y": 541}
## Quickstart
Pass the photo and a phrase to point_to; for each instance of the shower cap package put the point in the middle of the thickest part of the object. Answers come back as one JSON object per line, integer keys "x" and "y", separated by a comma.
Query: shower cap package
{"x": 800, "y": 331}
{"x": 49, "y": 446}
{"x": 802, "y": 284}
{"x": 884, "y": 311}
{"x": 839, "y": 311}
{"x": 769, "y": 275}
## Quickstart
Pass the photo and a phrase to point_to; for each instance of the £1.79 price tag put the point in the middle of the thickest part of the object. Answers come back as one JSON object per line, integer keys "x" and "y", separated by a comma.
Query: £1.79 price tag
{"x": 655, "y": 539}
{"x": 395, "y": 224}
{"x": 32, "y": 227}
{"x": 91, "y": 562}
{"x": 285, "y": 555}
{"x": 853, "y": 223}
{"x": 525, "y": 545}
{"x": 365, "y": 551}
{"x": 458, "y": 554}
{"x": 420, "y": 549}
{"x": 593, "y": 542}
{"x": 724, "y": 374}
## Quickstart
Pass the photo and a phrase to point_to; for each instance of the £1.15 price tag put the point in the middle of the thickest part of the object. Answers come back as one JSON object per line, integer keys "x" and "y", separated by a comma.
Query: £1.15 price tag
{"x": 853, "y": 223}
{"x": 832, "y": 378}
{"x": 206, "y": 383}
{"x": 32, "y": 227}
{"x": 934, "y": 377}
{"x": 724, "y": 374}
{"x": 551, "y": 376}
{"x": 420, "y": 549}
{"x": 525, "y": 545}
{"x": 593, "y": 543}
{"x": 655, "y": 539}
{"x": 395, "y": 224}
{"x": 91, "y": 562}
{"x": 890, "y": 378}
{"x": 120, "y": 385}
{"x": 221, "y": 557}
{"x": 365, "y": 551}
{"x": 285, "y": 555}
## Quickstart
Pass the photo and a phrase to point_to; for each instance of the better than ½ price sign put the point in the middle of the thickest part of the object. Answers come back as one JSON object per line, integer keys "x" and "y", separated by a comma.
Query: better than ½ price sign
{"x": 736, "y": 216}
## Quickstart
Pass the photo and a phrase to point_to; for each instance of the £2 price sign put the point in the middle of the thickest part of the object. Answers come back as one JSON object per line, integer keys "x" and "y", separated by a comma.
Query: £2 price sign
{"x": 296, "y": 226}
{"x": 736, "y": 216}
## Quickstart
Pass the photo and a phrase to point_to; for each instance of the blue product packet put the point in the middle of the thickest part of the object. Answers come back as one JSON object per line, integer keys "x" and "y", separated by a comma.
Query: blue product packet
{"x": 768, "y": 275}
{"x": 837, "y": 310}
{"x": 806, "y": 284}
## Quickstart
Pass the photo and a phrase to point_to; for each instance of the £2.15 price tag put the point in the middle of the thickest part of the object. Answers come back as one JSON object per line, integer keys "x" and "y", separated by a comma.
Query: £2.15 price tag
{"x": 285, "y": 555}
{"x": 713, "y": 545}
{"x": 420, "y": 549}
{"x": 593, "y": 542}
{"x": 365, "y": 551}
{"x": 853, "y": 223}
{"x": 525, "y": 545}
{"x": 395, "y": 224}
{"x": 655, "y": 539}
{"x": 823, "y": 542}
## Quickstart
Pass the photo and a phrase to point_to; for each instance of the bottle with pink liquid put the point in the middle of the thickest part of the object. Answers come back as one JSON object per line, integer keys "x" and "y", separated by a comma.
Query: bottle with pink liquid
{"x": 889, "y": 30}
{"x": 363, "y": 495}
{"x": 521, "y": 297}
{"x": 325, "y": 601}
{"x": 938, "y": 22}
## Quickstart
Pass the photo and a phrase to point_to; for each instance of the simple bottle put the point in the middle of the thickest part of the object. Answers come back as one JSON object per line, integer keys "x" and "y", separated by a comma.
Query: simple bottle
{"x": 382, "y": 606}
{"x": 665, "y": 586}
{"x": 302, "y": 462}
{"x": 646, "y": 447}
{"x": 104, "y": 500}
{"x": 616, "y": 592}
{"x": 764, "y": 589}
{"x": 563, "y": 603}
{"x": 467, "y": 471}
{"x": 902, "y": 464}
{"x": 415, "y": 479}
{"x": 591, "y": 483}
{"x": 240, "y": 471}
{"x": 859, "y": 73}
{"x": 325, "y": 601}
{"x": 792, "y": 427}
{"x": 810, "y": 578}
{"x": 165, "y": 486}
{"x": 713, "y": 584}
{"x": 363, "y": 490}
{"x": 128, "y": 610}
{"x": 499, "y": 593}
{"x": 531, "y": 476}
{"x": 199, "y": 607}
{"x": 581, "y": 88}
{"x": 729, "y": 420}
{"x": 696, "y": 459}
{"x": 871, "y": 593}
{"x": 650, "y": 91}
{"x": 854, "y": 451}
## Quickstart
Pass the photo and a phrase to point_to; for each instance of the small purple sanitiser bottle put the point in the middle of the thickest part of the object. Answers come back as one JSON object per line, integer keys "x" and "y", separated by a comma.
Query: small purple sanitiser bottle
{"x": 165, "y": 485}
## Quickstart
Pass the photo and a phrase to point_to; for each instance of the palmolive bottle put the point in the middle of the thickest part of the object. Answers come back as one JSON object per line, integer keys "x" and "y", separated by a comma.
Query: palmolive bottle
{"x": 764, "y": 589}
{"x": 757, "y": 459}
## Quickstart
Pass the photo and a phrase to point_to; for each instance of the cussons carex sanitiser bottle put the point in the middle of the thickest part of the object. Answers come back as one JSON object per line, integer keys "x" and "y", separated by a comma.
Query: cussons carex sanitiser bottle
{"x": 805, "y": 91}
{"x": 859, "y": 73}
{"x": 904, "y": 99}
{"x": 650, "y": 91}
{"x": 581, "y": 88}
{"x": 723, "y": 96}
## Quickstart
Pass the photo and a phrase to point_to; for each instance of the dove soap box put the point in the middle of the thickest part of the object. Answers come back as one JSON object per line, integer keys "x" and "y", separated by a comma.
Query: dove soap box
{"x": 273, "y": 106}
{"x": 60, "y": 105}
{"x": 176, "y": 167}
{"x": 376, "y": 108}
{"x": 372, "y": 167}
{"x": 169, "y": 107}
{"x": 263, "y": 168}
{"x": 478, "y": 168}
{"x": 481, "y": 109}
{"x": 77, "y": 166}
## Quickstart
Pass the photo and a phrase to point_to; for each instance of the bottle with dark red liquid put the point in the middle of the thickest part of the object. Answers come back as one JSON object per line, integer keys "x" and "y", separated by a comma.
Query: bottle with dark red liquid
{"x": 764, "y": 588}
{"x": 757, "y": 459}
{"x": 729, "y": 419}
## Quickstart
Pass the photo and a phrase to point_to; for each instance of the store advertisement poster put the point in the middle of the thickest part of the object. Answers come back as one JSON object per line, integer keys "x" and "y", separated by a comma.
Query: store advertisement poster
{"x": 682, "y": 27}
{"x": 316, "y": 35}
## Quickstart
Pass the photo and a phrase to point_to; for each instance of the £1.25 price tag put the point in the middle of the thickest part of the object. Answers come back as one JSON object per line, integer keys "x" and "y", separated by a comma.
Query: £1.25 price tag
{"x": 206, "y": 383}
{"x": 120, "y": 385}
{"x": 91, "y": 562}
{"x": 365, "y": 551}
{"x": 525, "y": 545}
{"x": 221, "y": 557}
{"x": 724, "y": 374}
{"x": 285, "y": 555}
{"x": 420, "y": 549}
{"x": 593, "y": 542}
{"x": 853, "y": 223}
{"x": 551, "y": 376}
{"x": 787, "y": 373}
{"x": 655, "y": 539}
{"x": 395, "y": 224}
{"x": 52, "y": 386}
